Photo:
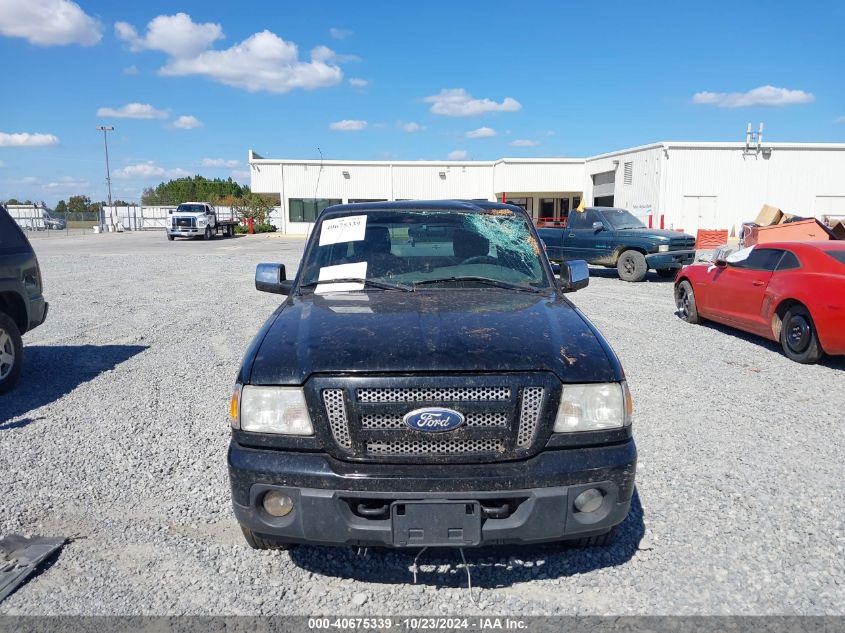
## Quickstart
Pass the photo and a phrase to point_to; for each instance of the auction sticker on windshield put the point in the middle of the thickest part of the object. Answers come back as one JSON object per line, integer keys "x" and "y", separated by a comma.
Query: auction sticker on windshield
{"x": 349, "y": 229}
{"x": 356, "y": 270}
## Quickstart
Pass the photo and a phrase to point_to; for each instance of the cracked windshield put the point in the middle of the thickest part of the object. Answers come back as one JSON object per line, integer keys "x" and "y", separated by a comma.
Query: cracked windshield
{"x": 432, "y": 248}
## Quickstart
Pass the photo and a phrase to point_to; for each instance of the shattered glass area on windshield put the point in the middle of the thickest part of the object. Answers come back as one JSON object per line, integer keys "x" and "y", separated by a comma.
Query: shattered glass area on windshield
{"x": 506, "y": 232}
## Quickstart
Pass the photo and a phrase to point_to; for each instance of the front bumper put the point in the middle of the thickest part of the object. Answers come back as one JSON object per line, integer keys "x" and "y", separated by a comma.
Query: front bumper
{"x": 186, "y": 231}
{"x": 334, "y": 500}
{"x": 670, "y": 259}
{"x": 38, "y": 309}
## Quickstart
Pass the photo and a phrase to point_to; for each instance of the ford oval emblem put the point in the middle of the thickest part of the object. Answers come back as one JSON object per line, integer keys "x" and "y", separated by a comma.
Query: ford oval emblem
{"x": 433, "y": 419}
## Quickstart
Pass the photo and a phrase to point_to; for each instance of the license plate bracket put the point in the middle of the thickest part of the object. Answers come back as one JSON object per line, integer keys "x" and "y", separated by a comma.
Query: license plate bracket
{"x": 436, "y": 523}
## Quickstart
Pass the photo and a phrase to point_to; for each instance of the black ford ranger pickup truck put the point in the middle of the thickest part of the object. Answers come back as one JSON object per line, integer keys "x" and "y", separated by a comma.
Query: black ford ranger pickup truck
{"x": 434, "y": 391}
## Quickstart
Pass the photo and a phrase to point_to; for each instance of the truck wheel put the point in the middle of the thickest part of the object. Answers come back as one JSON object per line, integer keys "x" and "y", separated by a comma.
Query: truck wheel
{"x": 170, "y": 237}
{"x": 798, "y": 336}
{"x": 11, "y": 353}
{"x": 667, "y": 273}
{"x": 260, "y": 541}
{"x": 632, "y": 266}
{"x": 207, "y": 234}
{"x": 685, "y": 302}
{"x": 230, "y": 231}
{"x": 594, "y": 541}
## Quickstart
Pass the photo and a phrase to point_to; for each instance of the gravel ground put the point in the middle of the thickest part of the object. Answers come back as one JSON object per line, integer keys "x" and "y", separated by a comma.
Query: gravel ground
{"x": 117, "y": 435}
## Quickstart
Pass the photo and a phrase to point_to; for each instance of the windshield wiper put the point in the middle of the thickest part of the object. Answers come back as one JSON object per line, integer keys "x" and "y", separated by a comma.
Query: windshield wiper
{"x": 510, "y": 285}
{"x": 357, "y": 280}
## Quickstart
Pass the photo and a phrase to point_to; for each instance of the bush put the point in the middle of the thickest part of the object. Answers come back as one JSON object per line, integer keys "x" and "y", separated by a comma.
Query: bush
{"x": 258, "y": 228}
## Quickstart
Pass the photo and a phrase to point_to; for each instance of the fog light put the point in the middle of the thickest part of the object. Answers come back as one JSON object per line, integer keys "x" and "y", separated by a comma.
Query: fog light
{"x": 588, "y": 501}
{"x": 277, "y": 504}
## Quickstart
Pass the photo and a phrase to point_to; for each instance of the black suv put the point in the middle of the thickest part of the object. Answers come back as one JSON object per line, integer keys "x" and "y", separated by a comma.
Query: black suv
{"x": 22, "y": 305}
{"x": 427, "y": 383}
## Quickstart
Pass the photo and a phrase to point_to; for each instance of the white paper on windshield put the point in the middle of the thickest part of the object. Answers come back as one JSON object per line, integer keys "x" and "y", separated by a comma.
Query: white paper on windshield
{"x": 357, "y": 270}
{"x": 349, "y": 229}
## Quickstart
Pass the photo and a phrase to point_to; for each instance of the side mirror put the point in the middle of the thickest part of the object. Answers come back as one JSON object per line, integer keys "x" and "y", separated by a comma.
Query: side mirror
{"x": 598, "y": 226}
{"x": 271, "y": 278}
{"x": 574, "y": 275}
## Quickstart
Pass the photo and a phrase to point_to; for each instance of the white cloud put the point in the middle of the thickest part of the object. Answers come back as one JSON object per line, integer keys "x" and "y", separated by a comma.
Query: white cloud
{"x": 458, "y": 102}
{"x": 840, "y": 119}
{"x": 458, "y": 154}
{"x": 139, "y": 171}
{"x": 348, "y": 125}
{"x": 263, "y": 61}
{"x": 219, "y": 162}
{"x": 410, "y": 126}
{"x": 241, "y": 175}
{"x": 67, "y": 183}
{"x": 25, "y": 139}
{"x": 2, "y": 164}
{"x": 339, "y": 34}
{"x": 355, "y": 82}
{"x": 131, "y": 70}
{"x": 133, "y": 111}
{"x": 28, "y": 180}
{"x": 48, "y": 22}
{"x": 177, "y": 35}
{"x": 482, "y": 132}
{"x": 550, "y": 133}
{"x": 524, "y": 142}
{"x": 187, "y": 122}
{"x": 148, "y": 170}
{"x": 762, "y": 96}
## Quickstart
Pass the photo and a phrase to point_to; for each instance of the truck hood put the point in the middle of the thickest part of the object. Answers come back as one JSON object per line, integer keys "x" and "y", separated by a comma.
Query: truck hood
{"x": 461, "y": 330}
{"x": 651, "y": 233}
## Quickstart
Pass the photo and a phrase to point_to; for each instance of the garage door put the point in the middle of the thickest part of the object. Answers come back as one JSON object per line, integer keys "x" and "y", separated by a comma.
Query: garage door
{"x": 699, "y": 212}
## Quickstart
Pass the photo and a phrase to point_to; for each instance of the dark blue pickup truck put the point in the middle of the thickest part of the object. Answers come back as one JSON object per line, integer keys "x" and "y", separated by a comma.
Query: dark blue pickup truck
{"x": 610, "y": 237}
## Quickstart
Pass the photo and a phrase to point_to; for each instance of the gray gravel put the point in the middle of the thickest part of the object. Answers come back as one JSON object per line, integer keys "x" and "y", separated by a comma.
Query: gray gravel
{"x": 117, "y": 435}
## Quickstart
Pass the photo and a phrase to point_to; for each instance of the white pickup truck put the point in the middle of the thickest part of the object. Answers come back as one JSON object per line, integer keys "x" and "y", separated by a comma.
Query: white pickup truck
{"x": 195, "y": 219}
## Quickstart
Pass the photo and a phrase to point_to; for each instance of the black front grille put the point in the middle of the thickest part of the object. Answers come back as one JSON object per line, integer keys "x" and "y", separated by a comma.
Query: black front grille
{"x": 681, "y": 243}
{"x": 185, "y": 222}
{"x": 506, "y": 416}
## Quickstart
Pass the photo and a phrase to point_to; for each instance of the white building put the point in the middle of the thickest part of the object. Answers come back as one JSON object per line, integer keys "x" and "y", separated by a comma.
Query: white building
{"x": 675, "y": 184}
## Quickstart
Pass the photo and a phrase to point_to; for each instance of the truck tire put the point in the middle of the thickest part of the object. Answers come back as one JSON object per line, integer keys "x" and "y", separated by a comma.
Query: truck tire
{"x": 685, "y": 302}
{"x": 599, "y": 540}
{"x": 207, "y": 234}
{"x": 11, "y": 353}
{"x": 260, "y": 541}
{"x": 631, "y": 266}
{"x": 798, "y": 336}
{"x": 170, "y": 237}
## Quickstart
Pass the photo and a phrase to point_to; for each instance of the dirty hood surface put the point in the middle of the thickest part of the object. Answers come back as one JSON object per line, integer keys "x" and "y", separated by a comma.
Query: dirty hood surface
{"x": 472, "y": 330}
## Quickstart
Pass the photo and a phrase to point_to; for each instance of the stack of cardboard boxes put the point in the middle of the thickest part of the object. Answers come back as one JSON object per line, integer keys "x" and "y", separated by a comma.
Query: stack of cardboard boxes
{"x": 773, "y": 225}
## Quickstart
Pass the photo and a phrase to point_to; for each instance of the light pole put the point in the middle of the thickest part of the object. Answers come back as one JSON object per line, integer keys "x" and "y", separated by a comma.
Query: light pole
{"x": 105, "y": 130}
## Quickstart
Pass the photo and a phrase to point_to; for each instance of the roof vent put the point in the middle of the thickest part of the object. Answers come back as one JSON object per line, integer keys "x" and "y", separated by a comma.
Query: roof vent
{"x": 627, "y": 173}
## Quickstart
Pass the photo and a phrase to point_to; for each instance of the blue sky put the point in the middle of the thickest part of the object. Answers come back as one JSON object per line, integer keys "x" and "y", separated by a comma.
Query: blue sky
{"x": 191, "y": 93}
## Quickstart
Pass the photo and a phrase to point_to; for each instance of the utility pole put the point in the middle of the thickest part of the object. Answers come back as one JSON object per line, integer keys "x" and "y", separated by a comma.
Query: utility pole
{"x": 105, "y": 130}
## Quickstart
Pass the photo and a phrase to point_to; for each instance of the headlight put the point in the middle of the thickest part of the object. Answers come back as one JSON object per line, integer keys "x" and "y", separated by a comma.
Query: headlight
{"x": 593, "y": 407}
{"x": 279, "y": 410}
{"x": 201, "y": 221}
{"x": 663, "y": 248}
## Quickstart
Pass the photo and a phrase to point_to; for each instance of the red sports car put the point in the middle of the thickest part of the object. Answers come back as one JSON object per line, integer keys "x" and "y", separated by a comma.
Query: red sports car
{"x": 791, "y": 292}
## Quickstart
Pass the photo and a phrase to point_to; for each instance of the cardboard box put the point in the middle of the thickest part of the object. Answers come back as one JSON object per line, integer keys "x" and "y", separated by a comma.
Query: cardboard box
{"x": 768, "y": 215}
{"x": 786, "y": 217}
